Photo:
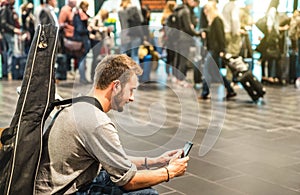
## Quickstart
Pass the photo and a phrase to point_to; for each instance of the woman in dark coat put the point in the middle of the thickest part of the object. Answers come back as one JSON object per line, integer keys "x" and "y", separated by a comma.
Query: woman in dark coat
{"x": 216, "y": 47}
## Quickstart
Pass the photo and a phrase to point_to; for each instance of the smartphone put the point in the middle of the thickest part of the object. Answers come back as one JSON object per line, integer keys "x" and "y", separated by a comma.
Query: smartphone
{"x": 186, "y": 149}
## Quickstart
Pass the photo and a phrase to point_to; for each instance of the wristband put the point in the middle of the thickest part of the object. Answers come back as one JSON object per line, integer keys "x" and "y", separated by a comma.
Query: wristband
{"x": 168, "y": 174}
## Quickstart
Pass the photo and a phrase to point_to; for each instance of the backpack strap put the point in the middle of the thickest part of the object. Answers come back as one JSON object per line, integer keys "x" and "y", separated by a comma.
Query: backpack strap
{"x": 69, "y": 102}
{"x": 87, "y": 99}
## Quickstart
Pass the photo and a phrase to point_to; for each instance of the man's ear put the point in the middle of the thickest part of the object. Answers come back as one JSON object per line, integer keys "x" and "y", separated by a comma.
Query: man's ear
{"x": 116, "y": 85}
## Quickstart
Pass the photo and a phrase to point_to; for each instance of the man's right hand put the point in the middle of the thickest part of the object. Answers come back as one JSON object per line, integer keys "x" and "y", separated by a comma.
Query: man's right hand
{"x": 177, "y": 166}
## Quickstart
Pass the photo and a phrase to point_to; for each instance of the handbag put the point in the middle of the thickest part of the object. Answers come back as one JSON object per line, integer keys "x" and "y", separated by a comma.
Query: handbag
{"x": 273, "y": 52}
{"x": 74, "y": 48}
{"x": 261, "y": 24}
{"x": 19, "y": 45}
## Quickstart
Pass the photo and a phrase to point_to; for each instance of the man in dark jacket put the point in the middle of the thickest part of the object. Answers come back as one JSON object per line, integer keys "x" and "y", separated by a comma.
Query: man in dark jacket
{"x": 9, "y": 26}
{"x": 185, "y": 42}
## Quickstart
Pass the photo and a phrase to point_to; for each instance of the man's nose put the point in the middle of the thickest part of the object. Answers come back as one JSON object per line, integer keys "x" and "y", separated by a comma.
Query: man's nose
{"x": 131, "y": 98}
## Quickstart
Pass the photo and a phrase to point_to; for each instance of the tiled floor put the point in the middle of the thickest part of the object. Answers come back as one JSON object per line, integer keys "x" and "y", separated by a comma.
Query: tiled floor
{"x": 257, "y": 151}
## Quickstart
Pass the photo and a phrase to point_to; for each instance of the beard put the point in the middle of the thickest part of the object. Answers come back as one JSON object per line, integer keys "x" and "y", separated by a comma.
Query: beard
{"x": 116, "y": 103}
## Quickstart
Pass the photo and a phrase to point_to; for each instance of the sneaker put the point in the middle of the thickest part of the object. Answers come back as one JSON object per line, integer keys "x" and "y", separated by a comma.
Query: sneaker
{"x": 70, "y": 75}
{"x": 230, "y": 95}
{"x": 84, "y": 81}
{"x": 174, "y": 80}
{"x": 184, "y": 84}
{"x": 204, "y": 97}
{"x": 297, "y": 83}
{"x": 197, "y": 86}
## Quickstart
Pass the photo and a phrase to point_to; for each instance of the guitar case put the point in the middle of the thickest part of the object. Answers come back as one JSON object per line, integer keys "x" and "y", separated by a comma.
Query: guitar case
{"x": 22, "y": 141}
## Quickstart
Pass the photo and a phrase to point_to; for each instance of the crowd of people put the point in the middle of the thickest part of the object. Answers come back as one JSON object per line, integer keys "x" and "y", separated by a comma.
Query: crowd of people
{"x": 228, "y": 31}
{"x": 73, "y": 23}
{"x": 232, "y": 25}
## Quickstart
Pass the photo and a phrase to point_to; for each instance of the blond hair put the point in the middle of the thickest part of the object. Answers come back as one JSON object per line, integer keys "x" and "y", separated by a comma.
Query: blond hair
{"x": 125, "y": 3}
{"x": 168, "y": 10}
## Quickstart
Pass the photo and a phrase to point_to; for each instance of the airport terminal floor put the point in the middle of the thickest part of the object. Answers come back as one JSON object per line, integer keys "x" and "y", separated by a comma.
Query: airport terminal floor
{"x": 240, "y": 147}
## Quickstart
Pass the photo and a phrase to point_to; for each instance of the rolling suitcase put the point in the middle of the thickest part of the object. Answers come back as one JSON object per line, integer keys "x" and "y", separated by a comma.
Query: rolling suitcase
{"x": 250, "y": 83}
{"x": 293, "y": 67}
{"x": 285, "y": 61}
{"x": 18, "y": 67}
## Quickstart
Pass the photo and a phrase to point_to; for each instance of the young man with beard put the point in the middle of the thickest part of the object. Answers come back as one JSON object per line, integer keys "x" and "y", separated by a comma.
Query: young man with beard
{"x": 84, "y": 143}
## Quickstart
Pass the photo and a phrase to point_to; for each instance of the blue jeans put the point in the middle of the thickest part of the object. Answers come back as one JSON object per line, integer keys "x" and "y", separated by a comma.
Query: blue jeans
{"x": 9, "y": 39}
{"x": 146, "y": 65}
{"x": 102, "y": 185}
{"x": 82, "y": 60}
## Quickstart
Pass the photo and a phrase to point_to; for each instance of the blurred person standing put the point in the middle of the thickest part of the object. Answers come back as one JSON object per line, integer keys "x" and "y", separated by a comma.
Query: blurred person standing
{"x": 81, "y": 33}
{"x": 9, "y": 22}
{"x": 271, "y": 53}
{"x": 98, "y": 34}
{"x": 185, "y": 24}
{"x": 65, "y": 21}
{"x": 232, "y": 27}
{"x": 28, "y": 22}
{"x": 37, "y": 11}
{"x": 294, "y": 34}
{"x": 169, "y": 45}
{"x": 146, "y": 13}
{"x": 131, "y": 20}
{"x": 246, "y": 26}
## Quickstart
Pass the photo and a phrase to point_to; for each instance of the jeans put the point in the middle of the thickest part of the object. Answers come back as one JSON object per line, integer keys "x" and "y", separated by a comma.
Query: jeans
{"x": 96, "y": 49}
{"x": 146, "y": 65}
{"x": 215, "y": 57}
{"x": 82, "y": 60}
{"x": 182, "y": 61}
{"x": 9, "y": 39}
{"x": 132, "y": 48}
{"x": 103, "y": 185}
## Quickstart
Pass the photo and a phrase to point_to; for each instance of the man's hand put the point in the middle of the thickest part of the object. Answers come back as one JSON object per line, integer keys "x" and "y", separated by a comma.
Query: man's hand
{"x": 164, "y": 159}
{"x": 177, "y": 166}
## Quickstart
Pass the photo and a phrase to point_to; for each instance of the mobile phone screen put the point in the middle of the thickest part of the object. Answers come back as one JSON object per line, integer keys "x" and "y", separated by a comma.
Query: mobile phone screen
{"x": 186, "y": 149}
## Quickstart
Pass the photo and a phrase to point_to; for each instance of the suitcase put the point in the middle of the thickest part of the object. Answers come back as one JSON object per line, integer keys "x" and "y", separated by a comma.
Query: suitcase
{"x": 293, "y": 67}
{"x": 250, "y": 83}
{"x": 285, "y": 68}
{"x": 146, "y": 65}
{"x": 285, "y": 61}
{"x": 0, "y": 65}
{"x": 61, "y": 67}
{"x": 18, "y": 67}
{"x": 236, "y": 65}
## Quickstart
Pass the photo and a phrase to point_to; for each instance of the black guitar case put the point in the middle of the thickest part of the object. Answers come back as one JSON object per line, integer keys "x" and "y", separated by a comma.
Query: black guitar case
{"x": 22, "y": 141}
